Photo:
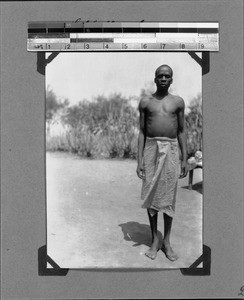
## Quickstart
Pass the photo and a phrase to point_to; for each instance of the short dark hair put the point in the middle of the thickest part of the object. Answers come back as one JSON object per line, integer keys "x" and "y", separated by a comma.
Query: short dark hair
{"x": 162, "y": 67}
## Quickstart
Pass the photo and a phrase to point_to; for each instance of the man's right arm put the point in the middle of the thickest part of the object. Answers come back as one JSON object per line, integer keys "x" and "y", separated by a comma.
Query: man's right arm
{"x": 141, "y": 141}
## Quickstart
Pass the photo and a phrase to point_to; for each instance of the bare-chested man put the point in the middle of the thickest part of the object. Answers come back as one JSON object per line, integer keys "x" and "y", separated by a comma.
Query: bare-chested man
{"x": 161, "y": 131}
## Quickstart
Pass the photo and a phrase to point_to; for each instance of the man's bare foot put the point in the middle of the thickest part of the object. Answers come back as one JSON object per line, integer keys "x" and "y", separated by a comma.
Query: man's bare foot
{"x": 152, "y": 251}
{"x": 168, "y": 251}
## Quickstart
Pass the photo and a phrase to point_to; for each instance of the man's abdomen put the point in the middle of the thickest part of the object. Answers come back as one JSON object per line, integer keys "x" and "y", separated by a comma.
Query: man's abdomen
{"x": 162, "y": 127}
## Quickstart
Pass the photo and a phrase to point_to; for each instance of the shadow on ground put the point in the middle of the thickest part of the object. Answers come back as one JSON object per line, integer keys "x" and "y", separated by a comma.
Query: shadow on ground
{"x": 138, "y": 233}
{"x": 196, "y": 187}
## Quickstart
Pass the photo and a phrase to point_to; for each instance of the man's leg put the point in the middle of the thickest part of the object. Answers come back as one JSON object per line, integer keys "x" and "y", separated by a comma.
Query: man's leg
{"x": 153, "y": 219}
{"x": 166, "y": 241}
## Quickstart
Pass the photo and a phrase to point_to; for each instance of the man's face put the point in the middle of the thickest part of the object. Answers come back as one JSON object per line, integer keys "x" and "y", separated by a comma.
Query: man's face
{"x": 163, "y": 78}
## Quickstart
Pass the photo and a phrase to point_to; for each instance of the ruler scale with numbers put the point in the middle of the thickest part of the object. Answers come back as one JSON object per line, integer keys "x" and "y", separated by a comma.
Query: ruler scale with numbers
{"x": 122, "y": 36}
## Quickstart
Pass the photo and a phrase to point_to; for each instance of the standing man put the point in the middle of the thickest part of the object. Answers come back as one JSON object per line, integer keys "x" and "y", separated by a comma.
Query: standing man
{"x": 161, "y": 131}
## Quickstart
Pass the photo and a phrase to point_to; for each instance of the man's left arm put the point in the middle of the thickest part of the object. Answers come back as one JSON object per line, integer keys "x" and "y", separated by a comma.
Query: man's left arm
{"x": 182, "y": 138}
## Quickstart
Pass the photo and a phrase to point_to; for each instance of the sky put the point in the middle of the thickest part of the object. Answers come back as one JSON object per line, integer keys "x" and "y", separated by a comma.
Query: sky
{"x": 79, "y": 76}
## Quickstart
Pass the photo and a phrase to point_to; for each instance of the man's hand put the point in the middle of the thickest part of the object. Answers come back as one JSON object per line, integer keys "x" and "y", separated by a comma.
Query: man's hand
{"x": 184, "y": 169}
{"x": 140, "y": 171}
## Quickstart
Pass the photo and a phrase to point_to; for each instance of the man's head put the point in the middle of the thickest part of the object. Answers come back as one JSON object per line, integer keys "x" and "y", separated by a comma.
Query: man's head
{"x": 163, "y": 77}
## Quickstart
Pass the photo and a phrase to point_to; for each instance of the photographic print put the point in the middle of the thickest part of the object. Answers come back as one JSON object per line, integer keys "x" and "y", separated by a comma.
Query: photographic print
{"x": 124, "y": 160}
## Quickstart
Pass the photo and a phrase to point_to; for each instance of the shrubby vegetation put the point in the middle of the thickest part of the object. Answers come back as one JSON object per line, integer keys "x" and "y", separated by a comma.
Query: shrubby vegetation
{"x": 106, "y": 127}
{"x": 194, "y": 123}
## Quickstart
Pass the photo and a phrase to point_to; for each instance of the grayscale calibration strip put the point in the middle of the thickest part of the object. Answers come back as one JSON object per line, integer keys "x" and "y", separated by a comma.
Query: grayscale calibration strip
{"x": 122, "y": 36}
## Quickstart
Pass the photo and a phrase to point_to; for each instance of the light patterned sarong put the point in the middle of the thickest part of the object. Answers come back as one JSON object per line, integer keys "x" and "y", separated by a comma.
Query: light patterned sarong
{"x": 162, "y": 170}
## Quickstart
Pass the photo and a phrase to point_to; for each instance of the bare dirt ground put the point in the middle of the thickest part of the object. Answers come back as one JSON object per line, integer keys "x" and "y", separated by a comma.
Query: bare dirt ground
{"x": 95, "y": 219}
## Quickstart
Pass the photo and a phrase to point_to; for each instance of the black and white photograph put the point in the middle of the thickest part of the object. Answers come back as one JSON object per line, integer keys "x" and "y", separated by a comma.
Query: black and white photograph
{"x": 124, "y": 163}
{"x": 121, "y": 149}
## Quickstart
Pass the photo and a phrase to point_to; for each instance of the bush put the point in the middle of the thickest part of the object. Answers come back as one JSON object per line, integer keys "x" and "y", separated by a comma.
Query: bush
{"x": 193, "y": 121}
{"x": 103, "y": 128}
{"x": 57, "y": 143}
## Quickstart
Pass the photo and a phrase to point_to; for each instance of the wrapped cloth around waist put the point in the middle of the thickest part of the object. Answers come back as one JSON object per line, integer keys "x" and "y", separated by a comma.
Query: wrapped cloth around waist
{"x": 161, "y": 165}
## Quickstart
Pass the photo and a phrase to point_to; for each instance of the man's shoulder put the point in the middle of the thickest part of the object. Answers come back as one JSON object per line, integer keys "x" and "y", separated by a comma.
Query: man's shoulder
{"x": 178, "y": 100}
{"x": 144, "y": 101}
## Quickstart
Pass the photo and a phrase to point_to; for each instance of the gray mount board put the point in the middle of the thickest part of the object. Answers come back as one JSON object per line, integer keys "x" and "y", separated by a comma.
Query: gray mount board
{"x": 23, "y": 157}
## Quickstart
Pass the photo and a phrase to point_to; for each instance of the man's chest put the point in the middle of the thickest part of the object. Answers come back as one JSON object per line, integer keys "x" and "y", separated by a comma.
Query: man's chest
{"x": 158, "y": 107}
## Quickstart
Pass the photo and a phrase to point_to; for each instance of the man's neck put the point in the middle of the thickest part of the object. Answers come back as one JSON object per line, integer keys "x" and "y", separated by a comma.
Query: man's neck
{"x": 161, "y": 94}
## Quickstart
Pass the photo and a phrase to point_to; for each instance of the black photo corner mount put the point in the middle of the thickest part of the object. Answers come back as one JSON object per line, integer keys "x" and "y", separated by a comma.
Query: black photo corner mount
{"x": 205, "y": 259}
{"x": 43, "y": 259}
{"x": 42, "y": 61}
{"x": 204, "y": 62}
